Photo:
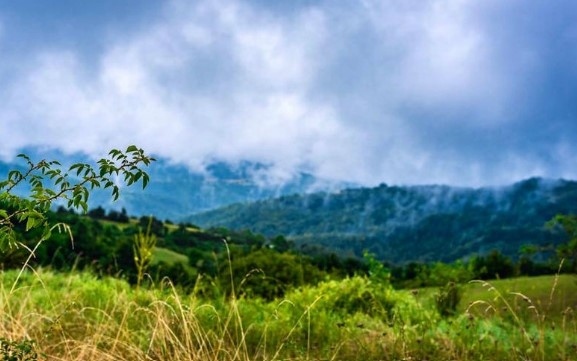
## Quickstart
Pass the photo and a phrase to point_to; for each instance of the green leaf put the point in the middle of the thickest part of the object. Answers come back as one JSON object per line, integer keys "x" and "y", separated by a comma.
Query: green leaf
{"x": 32, "y": 222}
{"x": 145, "y": 180}
{"x": 115, "y": 192}
{"x": 46, "y": 233}
{"x": 137, "y": 176}
{"x": 94, "y": 183}
{"x": 78, "y": 166}
{"x": 14, "y": 174}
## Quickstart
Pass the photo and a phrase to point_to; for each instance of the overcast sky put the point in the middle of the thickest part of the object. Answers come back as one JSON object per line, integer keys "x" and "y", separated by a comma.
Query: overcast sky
{"x": 461, "y": 92}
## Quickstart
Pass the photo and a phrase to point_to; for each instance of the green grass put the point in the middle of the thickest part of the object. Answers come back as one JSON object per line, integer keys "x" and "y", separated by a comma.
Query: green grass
{"x": 546, "y": 297}
{"x": 168, "y": 256}
{"x": 173, "y": 227}
{"x": 542, "y": 299}
{"x": 121, "y": 225}
{"x": 78, "y": 316}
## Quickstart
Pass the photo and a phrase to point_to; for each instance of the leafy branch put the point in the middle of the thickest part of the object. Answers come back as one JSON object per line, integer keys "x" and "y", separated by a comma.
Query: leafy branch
{"x": 48, "y": 181}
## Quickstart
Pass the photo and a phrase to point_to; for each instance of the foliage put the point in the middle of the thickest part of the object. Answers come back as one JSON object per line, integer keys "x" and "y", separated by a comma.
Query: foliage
{"x": 567, "y": 250}
{"x": 377, "y": 270}
{"x": 415, "y": 275}
{"x": 154, "y": 226}
{"x": 493, "y": 265}
{"x": 268, "y": 274}
{"x": 115, "y": 216}
{"x": 48, "y": 182}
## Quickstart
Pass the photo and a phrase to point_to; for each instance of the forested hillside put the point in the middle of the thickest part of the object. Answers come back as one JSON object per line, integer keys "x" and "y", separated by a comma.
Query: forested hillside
{"x": 418, "y": 223}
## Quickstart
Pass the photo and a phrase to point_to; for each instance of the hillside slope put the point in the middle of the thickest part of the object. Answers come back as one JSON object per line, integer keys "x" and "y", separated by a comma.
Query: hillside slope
{"x": 424, "y": 223}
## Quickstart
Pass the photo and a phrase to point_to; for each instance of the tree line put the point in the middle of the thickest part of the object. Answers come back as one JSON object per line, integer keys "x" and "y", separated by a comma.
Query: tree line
{"x": 265, "y": 266}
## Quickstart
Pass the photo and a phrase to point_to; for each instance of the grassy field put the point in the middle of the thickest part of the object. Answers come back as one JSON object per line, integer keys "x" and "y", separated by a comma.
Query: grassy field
{"x": 543, "y": 298}
{"x": 168, "y": 256}
{"x": 80, "y": 317}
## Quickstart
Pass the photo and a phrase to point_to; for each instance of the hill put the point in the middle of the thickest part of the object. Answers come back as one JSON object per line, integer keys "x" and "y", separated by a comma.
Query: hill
{"x": 413, "y": 223}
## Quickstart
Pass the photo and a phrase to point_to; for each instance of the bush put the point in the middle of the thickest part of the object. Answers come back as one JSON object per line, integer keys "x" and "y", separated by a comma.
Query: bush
{"x": 361, "y": 295}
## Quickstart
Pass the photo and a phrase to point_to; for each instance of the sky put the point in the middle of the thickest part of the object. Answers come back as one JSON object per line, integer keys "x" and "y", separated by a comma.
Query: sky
{"x": 457, "y": 92}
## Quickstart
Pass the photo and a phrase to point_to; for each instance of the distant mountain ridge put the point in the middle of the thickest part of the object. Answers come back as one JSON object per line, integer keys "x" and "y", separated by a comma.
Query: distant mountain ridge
{"x": 400, "y": 224}
{"x": 175, "y": 192}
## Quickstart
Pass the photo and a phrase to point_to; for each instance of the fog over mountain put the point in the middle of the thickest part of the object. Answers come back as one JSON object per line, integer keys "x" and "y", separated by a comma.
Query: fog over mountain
{"x": 398, "y": 223}
{"x": 424, "y": 223}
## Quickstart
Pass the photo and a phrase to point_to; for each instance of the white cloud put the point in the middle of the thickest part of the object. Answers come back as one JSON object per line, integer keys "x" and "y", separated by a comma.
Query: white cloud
{"x": 443, "y": 59}
{"x": 137, "y": 95}
{"x": 401, "y": 91}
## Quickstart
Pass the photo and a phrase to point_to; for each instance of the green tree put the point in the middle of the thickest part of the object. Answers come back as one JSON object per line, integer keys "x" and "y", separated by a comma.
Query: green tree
{"x": 281, "y": 244}
{"x": 567, "y": 250}
{"x": 155, "y": 225}
{"x": 98, "y": 213}
{"x": 493, "y": 265}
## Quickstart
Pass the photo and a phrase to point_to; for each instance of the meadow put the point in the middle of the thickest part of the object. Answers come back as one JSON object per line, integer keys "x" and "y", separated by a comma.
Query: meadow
{"x": 79, "y": 316}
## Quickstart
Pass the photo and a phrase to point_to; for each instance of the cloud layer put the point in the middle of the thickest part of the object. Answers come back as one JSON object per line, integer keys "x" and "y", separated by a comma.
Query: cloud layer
{"x": 398, "y": 91}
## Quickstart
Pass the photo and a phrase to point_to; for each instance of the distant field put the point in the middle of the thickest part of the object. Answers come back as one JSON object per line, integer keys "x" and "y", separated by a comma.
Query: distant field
{"x": 120, "y": 225}
{"x": 546, "y": 296}
{"x": 167, "y": 256}
{"x": 528, "y": 297}
{"x": 173, "y": 227}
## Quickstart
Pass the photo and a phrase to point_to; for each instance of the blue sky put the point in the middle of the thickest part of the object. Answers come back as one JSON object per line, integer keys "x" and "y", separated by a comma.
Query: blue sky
{"x": 457, "y": 92}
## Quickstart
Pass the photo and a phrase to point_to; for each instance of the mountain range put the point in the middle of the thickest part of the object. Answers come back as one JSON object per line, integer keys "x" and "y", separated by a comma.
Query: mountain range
{"x": 396, "y": 223}
{"x": 410, "y": 223}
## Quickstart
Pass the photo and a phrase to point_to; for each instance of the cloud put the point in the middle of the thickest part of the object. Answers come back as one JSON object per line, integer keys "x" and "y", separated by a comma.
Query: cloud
{"x": 457, "y": 92}
{"x": 162, "y": 90}
{"x": 402, "y": 91}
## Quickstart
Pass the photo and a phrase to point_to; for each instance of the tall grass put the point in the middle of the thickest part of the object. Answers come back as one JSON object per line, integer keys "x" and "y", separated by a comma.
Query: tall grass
{"x": 541, "y": 311}
{"x": 78, "y": 316}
